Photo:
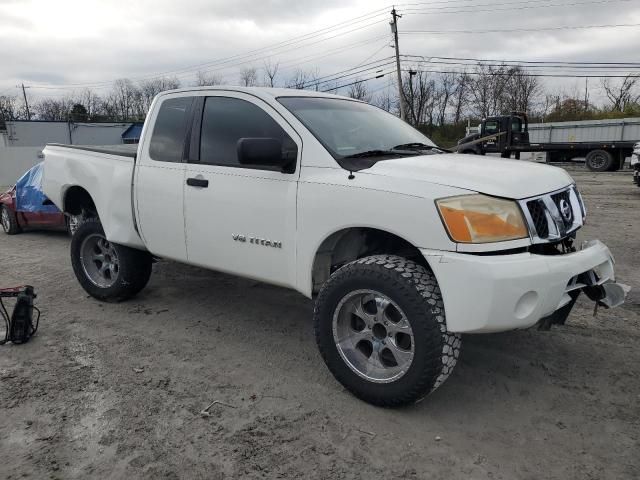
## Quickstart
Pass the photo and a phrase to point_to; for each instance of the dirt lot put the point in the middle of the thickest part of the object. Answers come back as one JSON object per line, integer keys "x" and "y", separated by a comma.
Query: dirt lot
{"x": 115, "y": 391}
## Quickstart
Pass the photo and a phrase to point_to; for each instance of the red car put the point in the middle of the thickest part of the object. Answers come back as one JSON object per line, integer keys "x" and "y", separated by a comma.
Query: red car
{"x": 24, "y": 206}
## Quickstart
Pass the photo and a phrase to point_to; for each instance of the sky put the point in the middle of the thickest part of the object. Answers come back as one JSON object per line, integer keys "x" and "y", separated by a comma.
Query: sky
{"x": 62, "y": 46}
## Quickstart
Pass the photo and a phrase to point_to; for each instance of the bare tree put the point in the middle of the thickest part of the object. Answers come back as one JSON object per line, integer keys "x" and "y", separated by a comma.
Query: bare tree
{"x": 92, "y": 102}
{"x": 522, "y": 92}
{"x": 622, "y": 94}
{"x": 148, "y": 89}
{"x": 359, "y": 91}
{"x": 300, "y": 79}
{"x": 419, "y": 91}
{"x": 123, "y": 100}
{"x": 205, "y": 79}
{"x": 8, "y": 107}
{"x": 385, "y": 100}
{"x": 446, "y": 90}
{"x": 54, "y": 109}
{"x": 488, "y": 89}
{"x": 270, "y": 72}
{"x": 461, "y": 95}
{"x": 249, "y": 77}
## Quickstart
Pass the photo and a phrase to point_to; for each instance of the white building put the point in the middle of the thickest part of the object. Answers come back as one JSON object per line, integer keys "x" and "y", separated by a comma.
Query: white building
{"x": 22, "y": 142}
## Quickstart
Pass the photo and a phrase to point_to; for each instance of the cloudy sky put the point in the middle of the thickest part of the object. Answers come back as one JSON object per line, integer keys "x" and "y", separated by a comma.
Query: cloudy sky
{"x": 60, "y": 46}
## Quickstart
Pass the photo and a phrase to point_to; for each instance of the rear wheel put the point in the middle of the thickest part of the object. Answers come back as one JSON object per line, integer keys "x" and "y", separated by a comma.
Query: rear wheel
{"x": 599, "y": 160}
{"x": 380, "y": 327}
{"x": 106, "y": 270}
{"x": 9, "y": 221}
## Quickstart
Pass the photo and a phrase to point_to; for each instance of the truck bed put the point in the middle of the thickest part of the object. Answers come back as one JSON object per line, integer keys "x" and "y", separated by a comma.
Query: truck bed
{"x": 583, "y": 146}
{"x": 106, "y": 174}
{"x": 128, "y": 150}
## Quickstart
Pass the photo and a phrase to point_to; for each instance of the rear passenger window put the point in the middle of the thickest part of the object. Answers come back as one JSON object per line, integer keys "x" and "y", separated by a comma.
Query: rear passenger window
{"x": 167, "y": 140}
{"x": 227, "y": 120}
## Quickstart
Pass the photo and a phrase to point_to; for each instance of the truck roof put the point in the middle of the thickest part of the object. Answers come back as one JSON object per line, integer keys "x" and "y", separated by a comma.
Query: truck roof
{"x": 263, "y": 92}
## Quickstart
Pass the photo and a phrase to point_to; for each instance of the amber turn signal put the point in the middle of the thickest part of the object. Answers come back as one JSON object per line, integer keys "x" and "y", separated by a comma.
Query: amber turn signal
{"x": 481, "y": 219}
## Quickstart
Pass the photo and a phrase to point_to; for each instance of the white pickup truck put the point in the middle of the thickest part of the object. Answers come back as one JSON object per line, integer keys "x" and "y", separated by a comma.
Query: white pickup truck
{"x": 405, "y": 245}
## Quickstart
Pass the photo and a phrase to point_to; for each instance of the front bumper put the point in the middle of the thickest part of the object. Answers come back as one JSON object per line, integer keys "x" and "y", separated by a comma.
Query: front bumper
{"x": 493, "y": 293}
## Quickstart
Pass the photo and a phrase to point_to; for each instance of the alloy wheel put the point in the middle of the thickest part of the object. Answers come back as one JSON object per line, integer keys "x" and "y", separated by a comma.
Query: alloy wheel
{"x": 373, "y": 336}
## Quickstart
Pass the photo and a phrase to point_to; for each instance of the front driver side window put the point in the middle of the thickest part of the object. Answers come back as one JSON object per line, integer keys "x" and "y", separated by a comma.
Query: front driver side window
{"x": 226, "y": 120}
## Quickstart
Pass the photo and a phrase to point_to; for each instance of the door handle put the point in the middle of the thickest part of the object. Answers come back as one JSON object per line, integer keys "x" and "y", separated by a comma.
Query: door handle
{"x": 198, "y": 182}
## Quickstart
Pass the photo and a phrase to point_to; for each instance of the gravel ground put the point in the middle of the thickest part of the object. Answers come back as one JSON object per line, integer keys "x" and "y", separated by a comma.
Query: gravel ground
{"x": 115, "y": 391}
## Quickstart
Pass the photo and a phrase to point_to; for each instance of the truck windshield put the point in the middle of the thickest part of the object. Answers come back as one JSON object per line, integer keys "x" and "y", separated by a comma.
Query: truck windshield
{"x": 352, "y": 130}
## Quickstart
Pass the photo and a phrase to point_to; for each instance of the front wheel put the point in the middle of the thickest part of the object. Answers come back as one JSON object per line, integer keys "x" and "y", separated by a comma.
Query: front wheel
{"x": 107, "y": 271}
{"x": 9, "y": 221}
{"x": 380, "y": 327}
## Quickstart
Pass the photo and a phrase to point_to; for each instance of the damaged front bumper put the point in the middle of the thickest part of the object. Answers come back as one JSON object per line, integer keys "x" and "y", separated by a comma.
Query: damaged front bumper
{"x": 492, "y": 293}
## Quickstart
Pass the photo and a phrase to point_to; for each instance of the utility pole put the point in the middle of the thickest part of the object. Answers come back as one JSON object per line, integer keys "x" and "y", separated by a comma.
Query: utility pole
{"x": 26, "y": 103}
{"x": 410, "y": 108}
{"x": 586, "y": 94}
{"x": 394, "y": 30}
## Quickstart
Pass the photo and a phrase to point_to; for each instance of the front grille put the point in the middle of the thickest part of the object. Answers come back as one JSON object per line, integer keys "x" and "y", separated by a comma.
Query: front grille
{"x": 553, "y": 216}
{"x": 562, "y": 200}
{"x": 539, "y": 217}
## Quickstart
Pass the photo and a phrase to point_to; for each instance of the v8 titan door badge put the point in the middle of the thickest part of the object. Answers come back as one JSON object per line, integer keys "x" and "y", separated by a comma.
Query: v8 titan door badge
{"x": 256, "y": 241}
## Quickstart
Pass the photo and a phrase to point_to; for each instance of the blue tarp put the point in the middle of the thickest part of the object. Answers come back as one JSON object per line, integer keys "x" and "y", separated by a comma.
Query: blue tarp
{"x": 29, "y": 196}
{"x": 133, "y": 132}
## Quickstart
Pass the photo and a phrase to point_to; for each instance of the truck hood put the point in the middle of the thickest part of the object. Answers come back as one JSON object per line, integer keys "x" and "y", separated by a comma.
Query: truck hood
{"x": 499, "y": 177}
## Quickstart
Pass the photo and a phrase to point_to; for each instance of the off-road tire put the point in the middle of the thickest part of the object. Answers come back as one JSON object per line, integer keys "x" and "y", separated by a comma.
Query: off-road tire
{"x": 415, "y": 290}
{"x": 599, "y": 161}
{"x": 134, "y": 266}
{"x": 13, "y": 227}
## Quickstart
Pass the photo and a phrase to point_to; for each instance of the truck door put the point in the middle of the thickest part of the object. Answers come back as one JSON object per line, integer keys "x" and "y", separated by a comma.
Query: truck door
{"x": 241, "y": 219}
{"x": 491, "y": 126}
{"x": 159, "y": 178}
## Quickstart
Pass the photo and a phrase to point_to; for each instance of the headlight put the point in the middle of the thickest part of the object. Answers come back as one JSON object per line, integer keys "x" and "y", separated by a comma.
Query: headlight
{"x": 481, "y": 219}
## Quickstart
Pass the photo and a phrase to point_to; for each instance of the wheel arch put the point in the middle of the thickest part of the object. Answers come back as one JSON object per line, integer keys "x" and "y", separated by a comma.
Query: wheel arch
{"x": 351, "y": 243}
{"x": 78, "y": 200}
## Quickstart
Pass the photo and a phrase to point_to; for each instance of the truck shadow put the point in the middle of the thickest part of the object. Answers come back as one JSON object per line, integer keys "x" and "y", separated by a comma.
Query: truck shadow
{"x": 276, "y": 324}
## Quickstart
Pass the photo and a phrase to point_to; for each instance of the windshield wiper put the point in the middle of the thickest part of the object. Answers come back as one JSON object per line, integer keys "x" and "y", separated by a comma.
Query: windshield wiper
{"x": 415, "y": 146}
{"x": 373, "y": 153}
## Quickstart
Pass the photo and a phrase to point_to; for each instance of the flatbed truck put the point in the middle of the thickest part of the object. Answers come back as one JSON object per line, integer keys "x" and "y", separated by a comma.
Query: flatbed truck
{"x": 509, "y": 135}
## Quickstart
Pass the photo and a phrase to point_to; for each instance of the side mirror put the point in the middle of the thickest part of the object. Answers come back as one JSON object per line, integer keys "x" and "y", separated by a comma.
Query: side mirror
{"x": 265, "y": 152}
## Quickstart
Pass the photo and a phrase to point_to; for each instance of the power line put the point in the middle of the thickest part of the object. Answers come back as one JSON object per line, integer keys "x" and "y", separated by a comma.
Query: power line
{"x": 507, "y": 74}
{"x": 337, "y": 76}
{"x": 386, "y": 44}
{"x": 338, "y": 87}
{"x": 288, "y": 65}
{"x": 293, "y": 48}
{"x": 585, "y": 68}
{"x": 253, "y": 53}
{"x": 563, "y": 62}
{"x": 510, "y": 6}
{"x": 503, "y": 30}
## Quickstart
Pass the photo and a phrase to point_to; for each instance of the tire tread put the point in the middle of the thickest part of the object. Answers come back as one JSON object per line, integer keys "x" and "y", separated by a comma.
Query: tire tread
{"x": 443, "y": 348}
